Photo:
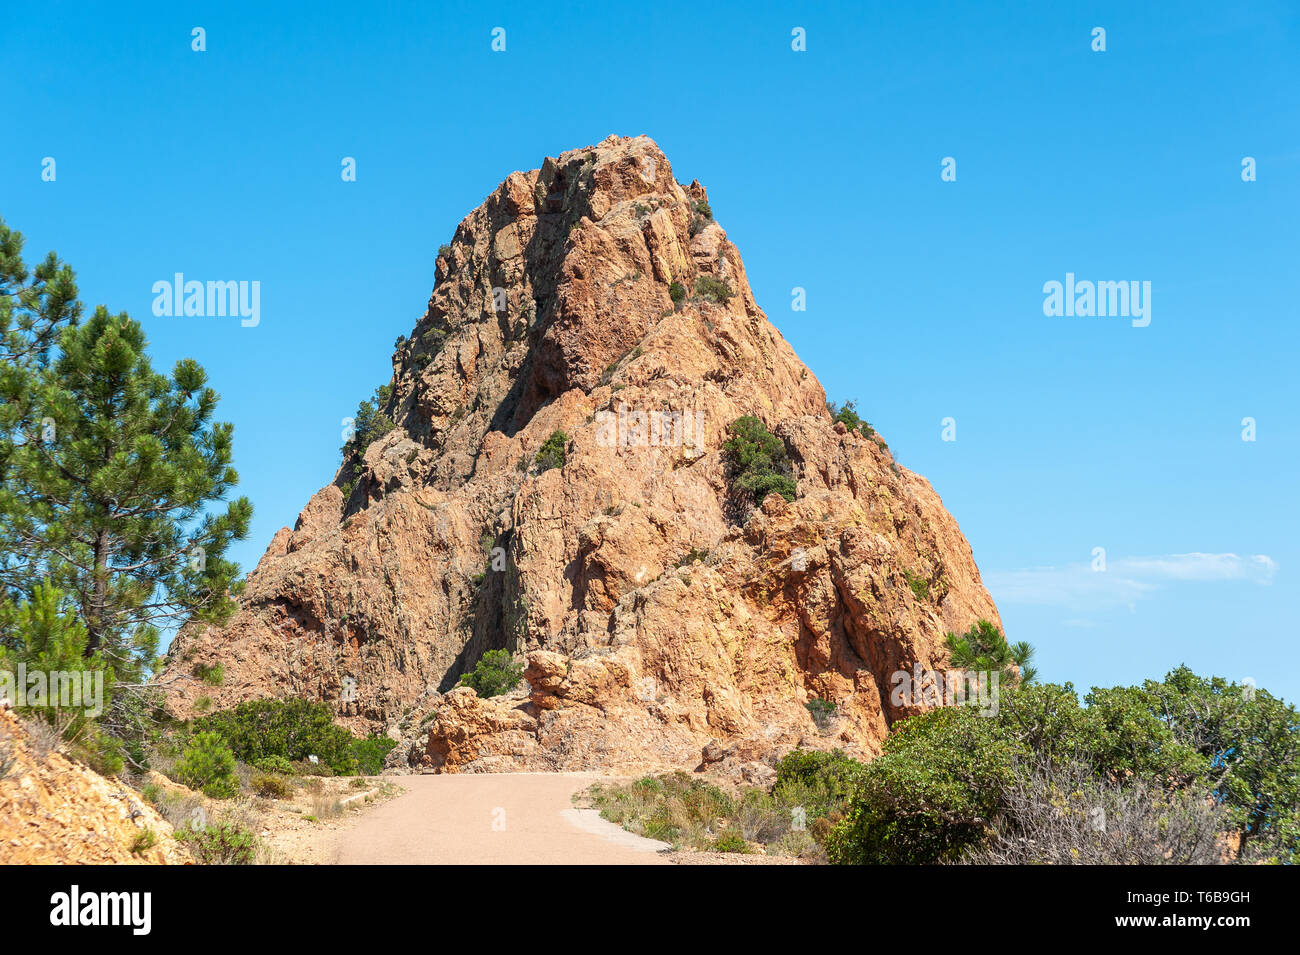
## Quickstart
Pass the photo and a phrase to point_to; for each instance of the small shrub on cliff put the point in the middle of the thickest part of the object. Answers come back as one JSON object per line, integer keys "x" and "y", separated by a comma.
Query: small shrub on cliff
{"x": 369, "y": 424}
{"x": 144, "y": 840}
{"x": 208, "y": 764}
{"x": 713, "y": 289}
{"x": 847, "y": 413}
{"x": 821, "y": 711}
{"x": 551, "y": 453}
{"x": 759, "y": 462}
{"x": 495, "y": 673}
{"x": 676, "y": 292}
{"x": 213, "y": 675}
{"x": 919, "y": 586}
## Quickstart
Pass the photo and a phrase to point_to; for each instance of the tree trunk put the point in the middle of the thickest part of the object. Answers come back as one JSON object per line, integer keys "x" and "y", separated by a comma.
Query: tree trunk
{"x": 95, "y": 624}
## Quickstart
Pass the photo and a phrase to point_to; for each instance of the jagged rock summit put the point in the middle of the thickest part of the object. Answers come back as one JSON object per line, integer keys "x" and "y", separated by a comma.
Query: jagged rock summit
{"x": 658, "y": 620}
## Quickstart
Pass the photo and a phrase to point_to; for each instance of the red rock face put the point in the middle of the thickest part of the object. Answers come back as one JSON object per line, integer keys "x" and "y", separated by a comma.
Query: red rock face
{"x": 653, "y": 615}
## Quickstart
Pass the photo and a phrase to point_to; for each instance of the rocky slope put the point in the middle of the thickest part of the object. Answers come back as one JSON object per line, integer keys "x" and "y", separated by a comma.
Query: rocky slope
{"x": 56, "y": 811}
{"x": 656, "y": 617}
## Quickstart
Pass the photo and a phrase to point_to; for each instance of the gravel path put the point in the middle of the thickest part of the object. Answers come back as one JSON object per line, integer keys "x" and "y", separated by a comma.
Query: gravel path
{"x": 492, "y": 819}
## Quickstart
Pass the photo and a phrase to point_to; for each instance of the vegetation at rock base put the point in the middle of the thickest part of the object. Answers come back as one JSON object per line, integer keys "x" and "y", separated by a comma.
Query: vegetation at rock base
{"x": 270, "y": 786}
{"x": 689, "y": 812}
{"x": 759, "y": 462}
{"x": 369, "y": 753}
{"x": 676, "y": 292}
{"x": 274, "y": 764}
{"x": 496, "y": 672}
{"x": 1171, "y": 772}
{"x": 1139, "y": 774}
{"x": 293, "y": 730}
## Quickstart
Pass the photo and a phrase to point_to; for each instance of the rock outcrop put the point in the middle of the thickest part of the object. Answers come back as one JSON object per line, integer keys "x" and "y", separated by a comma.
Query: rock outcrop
{"x": 54, "y": 811}
{"x": 656, "y": 616}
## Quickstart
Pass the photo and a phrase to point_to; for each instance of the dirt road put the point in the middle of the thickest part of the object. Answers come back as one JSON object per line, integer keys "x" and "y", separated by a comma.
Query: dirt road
{"x": 492, "y": 819}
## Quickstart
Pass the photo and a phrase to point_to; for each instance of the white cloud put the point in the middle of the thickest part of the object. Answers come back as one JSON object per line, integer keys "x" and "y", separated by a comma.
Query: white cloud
{"x": 1124, "y": 582}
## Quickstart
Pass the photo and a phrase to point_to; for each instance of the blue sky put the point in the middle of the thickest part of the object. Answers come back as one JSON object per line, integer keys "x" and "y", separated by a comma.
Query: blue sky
{"x": 925, "y": 298}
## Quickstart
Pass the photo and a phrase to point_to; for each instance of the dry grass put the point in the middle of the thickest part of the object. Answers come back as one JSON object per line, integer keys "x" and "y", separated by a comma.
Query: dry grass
{"x": 325, "y": 806}
{"x": 691, "y": 813}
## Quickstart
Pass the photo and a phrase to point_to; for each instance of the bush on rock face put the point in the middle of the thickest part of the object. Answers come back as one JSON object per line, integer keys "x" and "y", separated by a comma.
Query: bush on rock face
{"x": 760, "y": 464}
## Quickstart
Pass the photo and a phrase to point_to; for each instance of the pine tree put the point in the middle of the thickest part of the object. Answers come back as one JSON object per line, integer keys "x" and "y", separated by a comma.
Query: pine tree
{"x": 34, "y": 307}
{"x": 983, "y": 648}
{"x": 113, "y": 473}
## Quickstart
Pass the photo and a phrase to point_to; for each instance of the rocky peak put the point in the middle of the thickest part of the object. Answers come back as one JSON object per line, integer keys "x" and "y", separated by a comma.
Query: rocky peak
{"x": 597, "y": 297}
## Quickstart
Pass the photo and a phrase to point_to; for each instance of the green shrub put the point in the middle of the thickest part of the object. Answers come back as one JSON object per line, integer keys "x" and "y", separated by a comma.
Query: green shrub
{"x": 731, "y": 841}
{"x": 677, "y": 292}
{"x": 931, "y": 795}
{"x": 223, "y": 843}
{"x": 713, "y": 289}
{"x": 848, "y": 415}
{"x": 291, "y": 728}
{"x": 822, "y": 712}
{"x": 759, "y": 462}
{"x": 369, "y": 754}
{"x": 274, "y": 764}
{"x": 551, "y": 453}
{"x": 144, "y": 840}
{"x": 213, "y": 675}
{"x": 701, "y": 207}
{"x": 822, "y": 783}
{"x": 208, "y": 764}
{"x": 270, "y": 786}
{"x": 45, "y": 634}
{"x": 983, "y": 648}
{"x": 919, "y": 586}
{"x": 952, "y": 782}
{"x": 369, "y": 424}
{"x": 495, "y": 673}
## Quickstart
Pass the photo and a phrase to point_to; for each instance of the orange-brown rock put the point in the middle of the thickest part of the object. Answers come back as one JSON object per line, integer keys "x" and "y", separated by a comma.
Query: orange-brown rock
{"x": 656, "y": 618}
{"x": 56, "y": 811}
